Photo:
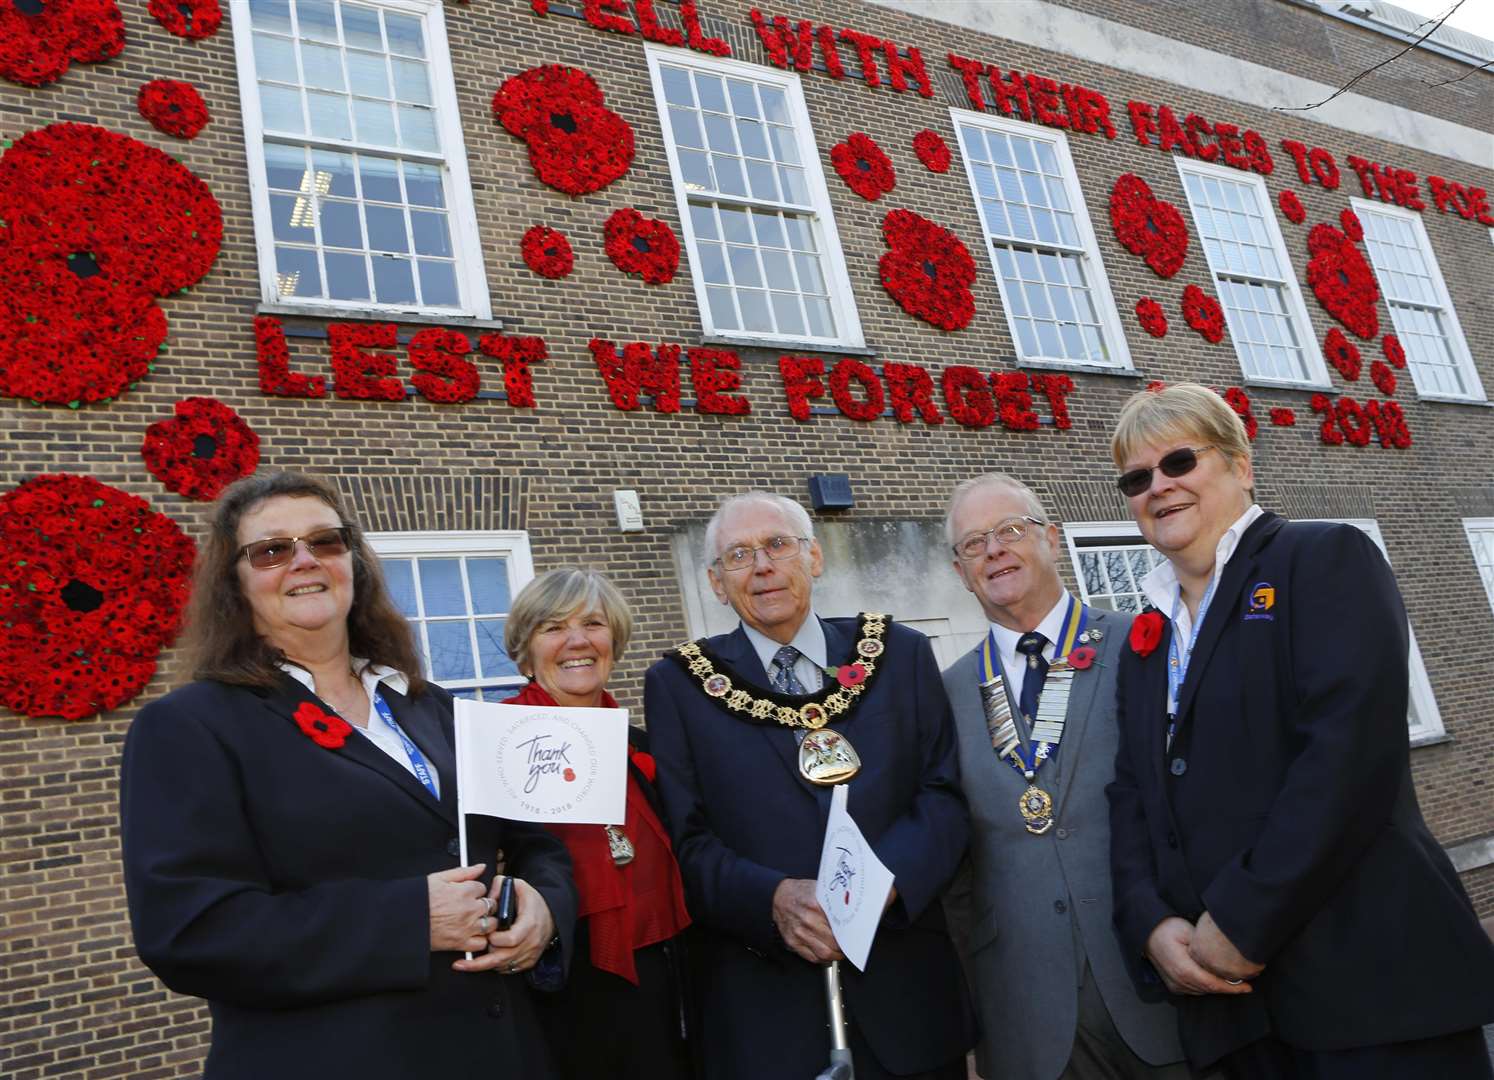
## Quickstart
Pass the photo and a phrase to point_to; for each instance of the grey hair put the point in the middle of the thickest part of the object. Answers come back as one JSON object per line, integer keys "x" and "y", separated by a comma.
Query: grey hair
{"x": 797, "y": 515}
{"x": 965, "y": 488}
{"x": 556, "y": 594}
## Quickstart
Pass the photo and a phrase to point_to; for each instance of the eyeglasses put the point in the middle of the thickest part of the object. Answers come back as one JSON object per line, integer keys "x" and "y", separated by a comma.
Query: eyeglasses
{"x": 1179, "y": 462}
{"x": 1011, "y": 531}
{"x": 778, "y": 548}
{"x": 278, "y": 550}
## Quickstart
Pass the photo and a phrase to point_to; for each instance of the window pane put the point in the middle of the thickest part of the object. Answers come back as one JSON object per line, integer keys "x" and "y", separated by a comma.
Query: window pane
{"x": 285, "y": 167}
{"x": 270, "y": 15}
{"x": 431, "y": 235}
{"x": 405, "y": 35}
{"x": 380, "y": 177}
{"x": 375, "y": 121}
{"x": 280, "y": 109}
{"x": 334, "y": 174}
{"x": 360, "y": 28}
{"x": 438, "y": 287}
{"x": 329, "y": 115}
{"x": 754, "y": 310}
{"x": 394, "y": 282}
{"x": 291, "y": 218}
{"x": 317, "y": 18}
{"x": 423, "y": 182}
{"x": 441, "y": 585}
{"x": 296, "y": 272}
{"x": 411, "y": 82}
{"x": 488, "y": 580}
{"x": 274, "y": 58}
{"x": 340, "y": 225}
{"x": 451, "y": 650}
{"x": 369, "y": 74}
{"x": 347, "y": 276}
{"x": 322, "y": 66}
{"x": 491, "y": 655}
{"x": 677, "y": 86}
{"x": 417, "y": 128}
{"x": 386, "y": 229}
{"x": 399, "y": 578}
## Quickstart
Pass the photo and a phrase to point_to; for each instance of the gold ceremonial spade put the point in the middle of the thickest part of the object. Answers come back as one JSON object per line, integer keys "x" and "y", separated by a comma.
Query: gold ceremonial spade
{"x": 827, "y": 757}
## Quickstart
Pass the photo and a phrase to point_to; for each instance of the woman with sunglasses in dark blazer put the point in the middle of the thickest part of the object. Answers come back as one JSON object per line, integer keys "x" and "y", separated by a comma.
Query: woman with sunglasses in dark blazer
{"x": 290, "y": 829}
{"x": 1268, "y": 855}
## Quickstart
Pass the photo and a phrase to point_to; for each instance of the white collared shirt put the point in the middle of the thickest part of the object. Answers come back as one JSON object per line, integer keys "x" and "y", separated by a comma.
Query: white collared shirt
{"x": 1164, "y": 592}
{"x": 375, "y": 729}
{"x": 1013, "y": 664}
{"x": 813, "y": 652}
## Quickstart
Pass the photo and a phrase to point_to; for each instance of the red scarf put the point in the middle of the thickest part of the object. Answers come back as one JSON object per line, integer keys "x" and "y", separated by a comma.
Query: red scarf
{"x": 629, "y": 906}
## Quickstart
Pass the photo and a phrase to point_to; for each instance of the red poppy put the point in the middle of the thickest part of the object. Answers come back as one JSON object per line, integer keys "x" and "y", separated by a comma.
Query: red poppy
{"x": 1383, "y": 378}
{"x": 1146, "y": 632}
{"x": 932, "y": 151}
{"x": 863, "y": 166}
{"x": 1202, "y": 312}
{"x": 1353, "y": 228}
{"x": 547, "y": 252}
{"x": 927, "y": 270}
{"x": 1239, "y": 401}
{"x": 1342, "y": 354}
{"x": 40, "y": 38}
{"x": 1291, "y": 207}
{"x": 569, "y": 775}
{"x": 91, "y": 589}
{"x": 173, "y": 107}
{"x": 1148, "y": 226}
{"x": 1395, "y": 352}
{"x": 326, "y": 729}
{"x": 188, "y": 18}
{"x": 576, "y": 144}
{"x": 1283, "y": 417}
{"x": 643, "y": 246}
{"x": 1153, "y": 320}
{"x": 442, "y": 374}
{"x": 850, "y": 674}
{"x": 645, "y": 762}
{"x": 201, "y": 450}
{"x": 1342, "y": 281}
{"x": 1082, "y": 657}
{"x": 99, "y": 225}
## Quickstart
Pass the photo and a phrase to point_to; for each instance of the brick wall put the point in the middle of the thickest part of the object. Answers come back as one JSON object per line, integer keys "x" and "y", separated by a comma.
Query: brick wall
{"x": 75, "y": 1000}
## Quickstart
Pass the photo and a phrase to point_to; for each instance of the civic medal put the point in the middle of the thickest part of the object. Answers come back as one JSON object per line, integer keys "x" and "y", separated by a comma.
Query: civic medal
{"x": 1037, "y": 809}
{"x": 619, "y": 845}
{"x": 826, "y": 757}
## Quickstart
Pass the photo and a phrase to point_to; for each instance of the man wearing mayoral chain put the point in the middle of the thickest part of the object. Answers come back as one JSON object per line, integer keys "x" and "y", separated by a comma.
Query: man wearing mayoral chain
{"x": 1034, "y": 709}
{"x": 751, "y": 730}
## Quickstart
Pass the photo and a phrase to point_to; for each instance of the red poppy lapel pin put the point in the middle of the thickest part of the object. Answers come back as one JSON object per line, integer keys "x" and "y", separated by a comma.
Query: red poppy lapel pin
{"x": 1146, "y": 632}
{"x": 323, "y": 728}
{"x": 1082, "y": 657}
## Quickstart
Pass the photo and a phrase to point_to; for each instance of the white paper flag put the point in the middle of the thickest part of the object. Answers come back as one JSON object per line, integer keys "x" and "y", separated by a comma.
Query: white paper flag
{"x": 542, "y": 763}
{"x": 853, "y": 884}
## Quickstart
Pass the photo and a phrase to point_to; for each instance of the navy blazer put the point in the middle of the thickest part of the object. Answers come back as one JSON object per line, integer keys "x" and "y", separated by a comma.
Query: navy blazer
{"x": 743, "y": 819}
{"x": 286, "y": 884}
{"x": 1285, "y": 808}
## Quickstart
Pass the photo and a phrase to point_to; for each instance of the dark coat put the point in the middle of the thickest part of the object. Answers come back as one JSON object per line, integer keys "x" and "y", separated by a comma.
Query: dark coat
{"x": 286, "y": 884}
{"x": 1285, "y": 808}
{"x": 743, "y": 819}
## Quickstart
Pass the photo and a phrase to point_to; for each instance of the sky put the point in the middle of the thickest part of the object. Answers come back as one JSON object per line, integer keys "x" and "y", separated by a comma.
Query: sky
{"x": 1474, "y": 16}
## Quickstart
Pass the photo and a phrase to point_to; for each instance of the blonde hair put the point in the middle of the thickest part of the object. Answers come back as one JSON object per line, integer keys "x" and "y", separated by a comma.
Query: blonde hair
{"x": 1179, "y": 411}
{"x": 556, "y": 594}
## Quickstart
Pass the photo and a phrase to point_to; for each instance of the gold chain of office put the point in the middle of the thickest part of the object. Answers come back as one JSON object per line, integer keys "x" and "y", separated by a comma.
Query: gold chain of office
{"x": 835, "y": 699}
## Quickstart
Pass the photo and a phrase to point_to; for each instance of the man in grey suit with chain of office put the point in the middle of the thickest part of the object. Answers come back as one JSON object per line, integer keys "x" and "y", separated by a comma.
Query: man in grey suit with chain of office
{"x": 1034, "y": 708}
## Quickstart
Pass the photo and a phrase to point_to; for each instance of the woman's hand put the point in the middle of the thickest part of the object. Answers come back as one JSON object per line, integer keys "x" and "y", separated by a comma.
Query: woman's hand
{"x": 518, "y": 948}
{"x": 460, "y": 915}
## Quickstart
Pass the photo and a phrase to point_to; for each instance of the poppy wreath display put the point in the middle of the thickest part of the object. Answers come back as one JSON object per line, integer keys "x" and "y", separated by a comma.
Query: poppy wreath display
{"x": 1383, "y": 378}
{"x": 1343, "y": 354}
{"x": 1395, "y": 352}
{"x": 201, "y": 450}
{"x": 40, "y": 38}
{"x": 1147, "y": 226}
{"x": 643, "y": 246}
{"x": 173, "y": 107}
{"x": 927, "y": 270}
{"x": 1146, "y": 632}
{"x": 188, "y": 18}
{"x": 1342, "y": 281}
{"x": 863, "y": 166}
{"x": 1202, "y": 312}
{"x": 576, "y": 144}
{"x": 547, "y": 252}
{"x": 1153, "y": 320}
{"x": 92, "y": 584}
{"x": 1291, "y": 207}
{"x": 1353, "y": 228}
{"x": 931, "y": 149}
{"x": 99, "y": 225}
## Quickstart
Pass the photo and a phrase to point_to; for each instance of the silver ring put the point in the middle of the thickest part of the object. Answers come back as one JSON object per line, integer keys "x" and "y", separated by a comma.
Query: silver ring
{"x": 513, "y": 966}
{"x": 482, "y": 924}
{"x": 489, "y": 905}
{"x": 1234, "y": 982}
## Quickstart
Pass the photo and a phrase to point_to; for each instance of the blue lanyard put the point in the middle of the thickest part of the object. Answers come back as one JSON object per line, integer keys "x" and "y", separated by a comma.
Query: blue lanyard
{"x": 417, "y": 759}
{"x": 1177, "y": 667}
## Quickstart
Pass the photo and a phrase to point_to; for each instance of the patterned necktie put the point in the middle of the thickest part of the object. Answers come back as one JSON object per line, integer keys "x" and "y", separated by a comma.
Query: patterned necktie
{"x": 782, "y": 677}
{"x": 1031, "y": 646}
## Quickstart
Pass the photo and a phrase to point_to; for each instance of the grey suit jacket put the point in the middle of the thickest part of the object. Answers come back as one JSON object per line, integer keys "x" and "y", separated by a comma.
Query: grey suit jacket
{"x": 1032, "y": 900}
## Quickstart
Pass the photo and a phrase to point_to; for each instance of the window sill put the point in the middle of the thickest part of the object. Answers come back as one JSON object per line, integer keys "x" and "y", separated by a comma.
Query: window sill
{"x": 363, "y": 314}
{"x": 1430, "y": 738}
{"x": 1290, "y": 384}
{"x": 1477, "y": 403}
{"x": 1075, "y": 366}
{"x": 785, "y": 345}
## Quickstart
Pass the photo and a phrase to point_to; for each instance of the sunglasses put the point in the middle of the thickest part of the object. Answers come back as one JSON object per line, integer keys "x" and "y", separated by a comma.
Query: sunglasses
{"x": 279, "y": 550}
{"x": 1179, "y": 462}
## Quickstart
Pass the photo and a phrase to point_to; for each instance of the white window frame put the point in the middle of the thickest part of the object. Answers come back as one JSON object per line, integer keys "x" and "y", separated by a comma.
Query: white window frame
{"x": 471, "y": 278}
{"x": 1472, "y": 527}
{"x": 833, "y": 263}
{"x": 1457, "y": 344}
{"x": 509, "y": 544}
{"x": 1428, "y": 727}
{"x": 1317, "y": 368}
{"x": 1076, "y": 533}
{"x": 1104, "y": 300}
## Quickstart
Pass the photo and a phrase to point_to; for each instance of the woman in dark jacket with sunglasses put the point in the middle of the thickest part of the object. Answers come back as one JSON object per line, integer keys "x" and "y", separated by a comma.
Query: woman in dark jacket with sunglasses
{"x": 290, "y": 828}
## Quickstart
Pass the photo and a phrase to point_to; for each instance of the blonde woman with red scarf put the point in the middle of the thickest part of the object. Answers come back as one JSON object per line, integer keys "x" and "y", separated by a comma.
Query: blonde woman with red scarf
{"x": 622, "y": 1014}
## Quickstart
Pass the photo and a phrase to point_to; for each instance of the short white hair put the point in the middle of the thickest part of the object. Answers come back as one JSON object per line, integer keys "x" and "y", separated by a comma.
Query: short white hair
{"x": 965, "y": 488}
{"x": 798, "y": 517}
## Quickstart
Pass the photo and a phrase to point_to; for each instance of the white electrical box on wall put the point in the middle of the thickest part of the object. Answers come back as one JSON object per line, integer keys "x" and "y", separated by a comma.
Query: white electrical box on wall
{"x": 629, "y": 512}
